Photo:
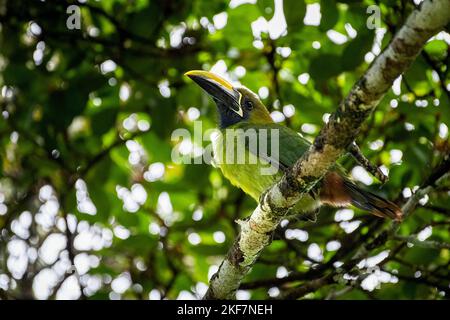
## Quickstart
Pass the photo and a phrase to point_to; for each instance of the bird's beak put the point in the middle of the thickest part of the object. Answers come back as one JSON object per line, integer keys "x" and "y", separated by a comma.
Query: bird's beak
{"x": 223, "y": 92}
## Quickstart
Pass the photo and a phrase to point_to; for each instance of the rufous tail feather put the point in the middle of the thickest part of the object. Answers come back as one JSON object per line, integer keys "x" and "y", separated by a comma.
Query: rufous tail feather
{"x": 338, "y": 191}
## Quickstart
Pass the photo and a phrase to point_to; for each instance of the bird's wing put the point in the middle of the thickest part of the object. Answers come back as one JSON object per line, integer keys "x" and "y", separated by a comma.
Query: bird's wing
{"x": 283, "y": 145}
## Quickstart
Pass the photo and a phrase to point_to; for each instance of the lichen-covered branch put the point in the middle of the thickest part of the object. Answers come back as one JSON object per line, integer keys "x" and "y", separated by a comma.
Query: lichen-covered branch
{"x": 332, "y": 141}
{"x": 356, "y": 152}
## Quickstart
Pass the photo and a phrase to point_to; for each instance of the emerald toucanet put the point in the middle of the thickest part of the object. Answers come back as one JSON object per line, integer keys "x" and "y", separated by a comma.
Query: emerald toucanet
{"x": 239, "y": 108}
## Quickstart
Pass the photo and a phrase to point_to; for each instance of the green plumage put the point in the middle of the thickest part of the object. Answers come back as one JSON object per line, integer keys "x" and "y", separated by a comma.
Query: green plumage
{"x": 248, "y": 176}
{"x": 242, "y": 118}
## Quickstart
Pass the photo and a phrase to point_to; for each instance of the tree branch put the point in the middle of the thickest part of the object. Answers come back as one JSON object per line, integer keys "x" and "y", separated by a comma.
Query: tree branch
{"x": 423, "y": 243}
{"x": 331, "y": 143}
{"x": 356, "y": 152}
{"x": 350, "y": 243}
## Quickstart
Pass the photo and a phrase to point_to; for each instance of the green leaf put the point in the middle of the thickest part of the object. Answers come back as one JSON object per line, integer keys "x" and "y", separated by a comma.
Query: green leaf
{"x": 140, "y": 244}
{"x": 325, "y": 66}
{"x": 238, "y": 31}
{"x": 157, "y": 148}
{"x": 355, "y": 51}
{"x": 438, "y": 49}
{"x": 267, "y": 8}
{"x": 103, "y": 120}
{"x": 294, "y": 12}
{"x": 330, "y": 14}
{"x": 417, "y": 78}
{"x": 145, "y": 21}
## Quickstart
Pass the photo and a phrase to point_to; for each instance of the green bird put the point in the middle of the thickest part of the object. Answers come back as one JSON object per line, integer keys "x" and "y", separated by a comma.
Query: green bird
{"x": 243, "y": 112}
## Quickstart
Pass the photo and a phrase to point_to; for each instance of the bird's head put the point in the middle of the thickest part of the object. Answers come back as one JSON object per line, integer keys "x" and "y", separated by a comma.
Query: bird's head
{"x": 234, "y": 104}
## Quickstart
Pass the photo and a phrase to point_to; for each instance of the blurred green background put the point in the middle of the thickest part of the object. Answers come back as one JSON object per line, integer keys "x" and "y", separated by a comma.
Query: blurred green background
{"x": 86, "y": 176}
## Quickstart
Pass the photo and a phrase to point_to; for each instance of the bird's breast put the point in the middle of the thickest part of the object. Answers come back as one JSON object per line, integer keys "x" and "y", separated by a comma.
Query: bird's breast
{"x": 244, "y": 169}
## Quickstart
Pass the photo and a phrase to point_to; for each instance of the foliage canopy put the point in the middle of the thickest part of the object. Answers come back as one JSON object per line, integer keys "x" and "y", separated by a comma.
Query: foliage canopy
{"x": 86, "y": 175}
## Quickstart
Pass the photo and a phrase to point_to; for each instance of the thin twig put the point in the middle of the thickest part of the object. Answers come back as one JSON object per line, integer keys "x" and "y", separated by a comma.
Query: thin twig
{"x": 356, "y": 152}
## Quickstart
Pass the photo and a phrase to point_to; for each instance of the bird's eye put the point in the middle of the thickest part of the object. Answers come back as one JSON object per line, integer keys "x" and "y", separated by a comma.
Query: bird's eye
{"x": 248, "y": 105}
